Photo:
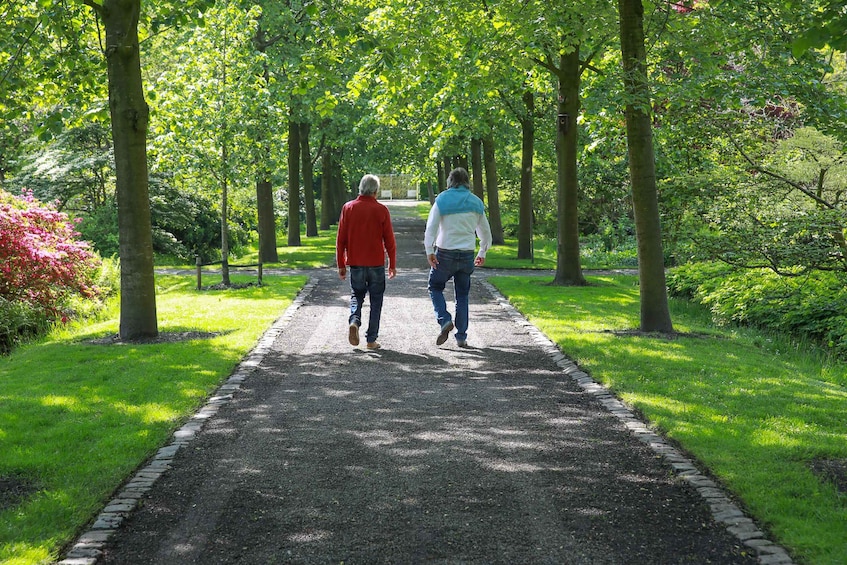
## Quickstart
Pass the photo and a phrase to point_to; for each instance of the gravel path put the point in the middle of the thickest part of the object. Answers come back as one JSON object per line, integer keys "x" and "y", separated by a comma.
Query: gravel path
{"x": 319, "y": 452}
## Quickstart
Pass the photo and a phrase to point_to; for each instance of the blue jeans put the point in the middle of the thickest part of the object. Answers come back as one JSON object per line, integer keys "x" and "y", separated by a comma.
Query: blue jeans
{"x": 457, "y": 265}
{"x": 371, "y": 281}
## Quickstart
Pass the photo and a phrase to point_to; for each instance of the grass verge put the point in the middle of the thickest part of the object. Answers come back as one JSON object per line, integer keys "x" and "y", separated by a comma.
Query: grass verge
{"x": 314, "y": 252}
{"x": 592, "y": 255}
{"x": 76, "y": 418}
{"x": 758, "y": 414}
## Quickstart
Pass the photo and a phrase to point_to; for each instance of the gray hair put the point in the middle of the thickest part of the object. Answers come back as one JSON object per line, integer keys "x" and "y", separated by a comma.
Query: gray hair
{"x": 369, "y": 185}
{"x": 458, "y": 177}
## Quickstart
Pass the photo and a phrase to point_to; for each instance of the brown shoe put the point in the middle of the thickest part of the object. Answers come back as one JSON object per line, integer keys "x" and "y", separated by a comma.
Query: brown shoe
{"x": 445, "y": 333}
{"x": 353, "y": 335}
{"x": 374, "y": 345}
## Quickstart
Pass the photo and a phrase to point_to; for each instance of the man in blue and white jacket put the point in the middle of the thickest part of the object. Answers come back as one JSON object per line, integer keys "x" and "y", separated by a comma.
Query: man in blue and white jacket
{"x": 456, "y": 219}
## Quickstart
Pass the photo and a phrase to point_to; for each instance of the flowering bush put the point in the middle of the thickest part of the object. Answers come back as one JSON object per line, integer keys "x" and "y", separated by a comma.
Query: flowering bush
{"x": 41, "y": 262}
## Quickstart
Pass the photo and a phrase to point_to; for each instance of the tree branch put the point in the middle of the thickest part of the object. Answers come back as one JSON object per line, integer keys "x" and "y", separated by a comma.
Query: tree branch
{"x": 93, "y": 5}
{"x": 795, "y": 185}
{"x": 18, "y": 52}
{"x": 548, "y": 64}
{"x": 507, "y": 102}
{"x": 586, "y": 63}
{"x": 320, "y": 149}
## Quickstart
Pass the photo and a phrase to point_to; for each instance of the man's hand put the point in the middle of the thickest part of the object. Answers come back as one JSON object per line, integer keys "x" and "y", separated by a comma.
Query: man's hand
{"x": 433, "y": 262}
{"x": 479, "y": 261}
{"x": 342, "y": 273}
{"x": 392, "y": 273}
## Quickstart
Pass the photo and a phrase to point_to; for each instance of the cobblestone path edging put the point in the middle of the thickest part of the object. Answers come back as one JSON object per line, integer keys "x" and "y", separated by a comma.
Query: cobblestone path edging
{"x": 89, "y": 545}
{"x": 723, "y": 509}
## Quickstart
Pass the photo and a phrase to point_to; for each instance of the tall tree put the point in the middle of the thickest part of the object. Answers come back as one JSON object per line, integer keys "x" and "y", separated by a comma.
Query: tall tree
{"x": 267, "y": 219}
{"x": 130, "y": 115}
{"x": 551, "y": 36}
{"x": 327, "y": 197}
{"x": 492, "y": 189}
{"x": 264, "y": 185}
{"x": 308, "y": 180}
{"x": 293, "y": 181}
{"x": 476, "y": 168}
{"x": 210, "y": 87}
{"x": 527, "y": 120}
{"x": 568, "y": 264}
{"x": 655, "y": 313}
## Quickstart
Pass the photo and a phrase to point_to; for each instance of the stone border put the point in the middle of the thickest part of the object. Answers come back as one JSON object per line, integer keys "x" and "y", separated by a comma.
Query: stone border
{"x": 723, "y": 509}
{"x": 89, "y": 546}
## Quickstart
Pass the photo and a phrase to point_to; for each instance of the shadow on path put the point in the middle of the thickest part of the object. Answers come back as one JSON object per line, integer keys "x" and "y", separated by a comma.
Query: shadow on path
{"x": 416, "y": 454}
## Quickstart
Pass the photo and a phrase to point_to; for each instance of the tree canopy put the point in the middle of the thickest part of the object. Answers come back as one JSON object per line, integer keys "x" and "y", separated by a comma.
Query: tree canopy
{"x": 737, "y": 92}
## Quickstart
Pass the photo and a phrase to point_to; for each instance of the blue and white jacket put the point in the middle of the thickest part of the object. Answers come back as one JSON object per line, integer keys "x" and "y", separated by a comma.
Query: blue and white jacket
{"x": 456, "y": 219}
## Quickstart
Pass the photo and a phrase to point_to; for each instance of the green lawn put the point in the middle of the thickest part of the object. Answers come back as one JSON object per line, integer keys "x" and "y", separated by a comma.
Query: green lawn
{"x": 313, "y": 252}
{"x": 77, "y": 418}
{"x": 757, "y": 412}
{"x": 591, "y": 254}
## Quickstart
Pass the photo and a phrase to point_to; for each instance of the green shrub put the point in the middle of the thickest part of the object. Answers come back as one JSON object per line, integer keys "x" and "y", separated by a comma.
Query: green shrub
{"x": 100, "y": 228}
{"x": 601, "y": 251}
{"x": 810, "y": 306}
{"x": 20, "y": 321}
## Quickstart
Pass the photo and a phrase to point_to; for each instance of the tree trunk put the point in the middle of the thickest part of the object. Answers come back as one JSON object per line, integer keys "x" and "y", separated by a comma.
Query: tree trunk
{"x": 527, "y": 150}
{"x": 655, "y": 313}
{"x": 342, "y": 194}
{"x": 308, "y": 180}
{"x": 267, "y": 222}
{"x": 293, "y": 182}
{"x": 327, "y": 200}
{"x": 442, "y": 176}
{"x": 568, "y": 267}
{"x": 264, "y": 188}
{"x": 430, "y": 192}
{"x": 130, "y": 115}
{"x": 476, "y": 165}
{"x": 492, "y": 189}
{"x": 225, "y": 215}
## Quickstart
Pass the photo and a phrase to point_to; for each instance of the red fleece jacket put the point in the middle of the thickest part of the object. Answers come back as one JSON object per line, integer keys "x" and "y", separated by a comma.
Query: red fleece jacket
{"x": 365, "y": 234}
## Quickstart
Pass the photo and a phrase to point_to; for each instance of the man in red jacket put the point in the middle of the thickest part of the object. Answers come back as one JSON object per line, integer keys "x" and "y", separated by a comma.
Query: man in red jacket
{"x": 365, "y": 236}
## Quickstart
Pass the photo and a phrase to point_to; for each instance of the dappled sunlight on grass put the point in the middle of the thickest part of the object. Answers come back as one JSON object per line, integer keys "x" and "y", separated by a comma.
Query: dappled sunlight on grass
{"x": 756, "y": 416}
{"x": 505, "y": 256}
{"x": 66, "y": 398}
{"x": 313, "y": 252}
{"x": 66, "y": 402}
{"x": 612, "y": 305}
{"x": 25, "y": 554}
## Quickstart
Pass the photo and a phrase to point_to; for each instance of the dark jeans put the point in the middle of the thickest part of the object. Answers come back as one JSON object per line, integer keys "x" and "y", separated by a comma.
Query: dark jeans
{"x": 457, "y": 265}
{"x": 370, "y": 281}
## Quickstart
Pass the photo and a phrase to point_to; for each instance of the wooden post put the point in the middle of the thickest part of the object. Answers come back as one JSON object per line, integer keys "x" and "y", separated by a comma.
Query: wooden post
{"x": 260, "y": 273}
{"x": 199, "y": 279}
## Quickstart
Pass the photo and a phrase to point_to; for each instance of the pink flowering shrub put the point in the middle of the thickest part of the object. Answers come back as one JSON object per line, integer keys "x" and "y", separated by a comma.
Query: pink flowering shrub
{"x": 42, "y": 264}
